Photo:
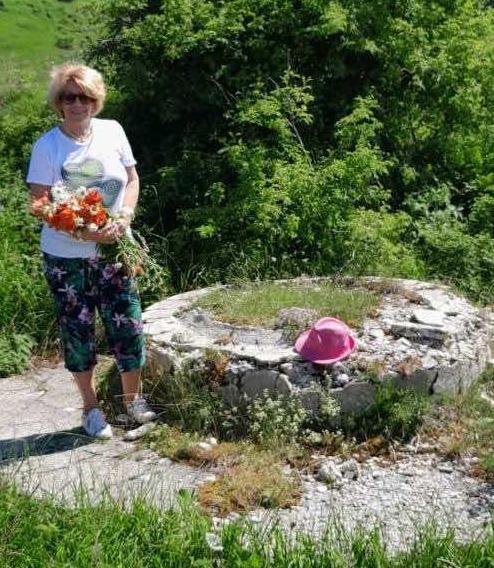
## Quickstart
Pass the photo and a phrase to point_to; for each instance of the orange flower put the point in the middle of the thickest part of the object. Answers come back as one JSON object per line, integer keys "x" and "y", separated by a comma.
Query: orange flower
{"x": 99, "y": 218}
{"x": 64, "y": 219}
{"x": 93, "y": 197}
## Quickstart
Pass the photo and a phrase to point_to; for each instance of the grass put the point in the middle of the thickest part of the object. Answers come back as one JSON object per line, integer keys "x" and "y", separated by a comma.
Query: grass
{"x": 464, "y": 425}
{"x": 249, "y": 476}
{"x": 39, "y": 532}
{"x": 33, "y": 35}
{"x": 260, "y": 304}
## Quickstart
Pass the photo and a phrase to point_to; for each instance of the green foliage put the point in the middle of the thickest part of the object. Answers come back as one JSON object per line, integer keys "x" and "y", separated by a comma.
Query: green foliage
{"x": 274, "y": 420}
{"x": 39, "y": 532}
{"x": 377, "y": 245}
{"x": 452, "y": 254}
{"x": 15, "y": 353}
{"x": 26, "y": 308}
{"x": 29, "y": 35}
{"x": 276, "y": 130}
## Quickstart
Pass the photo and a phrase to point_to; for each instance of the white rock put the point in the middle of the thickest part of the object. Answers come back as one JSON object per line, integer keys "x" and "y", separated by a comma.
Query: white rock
{"x": 137, "y": 433}
{"x": 350, "y": 469}
{"x": 329, "y": 473}
{"x": 376, "y": 333}
{"x": 428, "y": 317}
{"x": 204, "y": 446}
{"x": 212, "y": 441}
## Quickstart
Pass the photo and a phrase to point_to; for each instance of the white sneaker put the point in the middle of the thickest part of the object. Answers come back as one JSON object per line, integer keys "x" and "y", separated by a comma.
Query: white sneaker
{"x": 140, "y": 411}
{"x": 95, "y": 424}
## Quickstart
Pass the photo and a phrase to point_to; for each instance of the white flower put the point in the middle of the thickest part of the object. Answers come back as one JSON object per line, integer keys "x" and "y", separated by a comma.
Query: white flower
{"x": 80, "y": 192}
{"x": 92, "y": 227}
{"x": 79, "y": 222}
{"x": 60, "y": 193}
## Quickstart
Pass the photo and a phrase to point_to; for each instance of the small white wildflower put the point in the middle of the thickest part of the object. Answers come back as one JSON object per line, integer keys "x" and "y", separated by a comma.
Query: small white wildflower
{"x": 59, "y": 193}
{"x": 79, "y": 222}
{"x": 81, "y": 192}
{"x": 118, "y": 265}
{"x": 92, "y": 227}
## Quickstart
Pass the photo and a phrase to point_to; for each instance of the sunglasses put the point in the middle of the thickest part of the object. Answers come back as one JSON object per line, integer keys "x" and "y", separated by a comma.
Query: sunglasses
{"x": 70, "y": 98}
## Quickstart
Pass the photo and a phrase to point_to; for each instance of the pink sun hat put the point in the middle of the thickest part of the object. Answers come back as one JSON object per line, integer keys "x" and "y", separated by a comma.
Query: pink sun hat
{"x": 329, "y": 340}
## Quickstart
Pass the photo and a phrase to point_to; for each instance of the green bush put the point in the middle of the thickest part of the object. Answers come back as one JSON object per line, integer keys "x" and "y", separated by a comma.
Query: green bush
{"x": 452, "y": 254}
{"x": 378, "y": 245}
{"x": 272, "y": 124}
{"x": 15, "y": 353}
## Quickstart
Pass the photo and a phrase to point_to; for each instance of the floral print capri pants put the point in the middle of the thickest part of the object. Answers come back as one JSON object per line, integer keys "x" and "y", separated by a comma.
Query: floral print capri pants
{"x": 80, "y": 286}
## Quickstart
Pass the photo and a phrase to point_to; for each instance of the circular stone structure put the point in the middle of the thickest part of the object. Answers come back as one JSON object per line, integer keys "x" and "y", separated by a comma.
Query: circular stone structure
{"x": 422, "y": 336}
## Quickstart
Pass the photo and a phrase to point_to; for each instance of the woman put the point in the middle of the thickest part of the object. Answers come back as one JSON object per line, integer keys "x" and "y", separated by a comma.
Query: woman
{"x": 86, "y": 151}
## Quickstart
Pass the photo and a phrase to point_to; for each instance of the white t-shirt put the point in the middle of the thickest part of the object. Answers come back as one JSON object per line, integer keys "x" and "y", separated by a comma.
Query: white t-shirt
{"x": 100, "y": 162}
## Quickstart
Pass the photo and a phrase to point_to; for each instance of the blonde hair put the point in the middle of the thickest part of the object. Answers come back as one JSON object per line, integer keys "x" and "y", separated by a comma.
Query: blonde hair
{"x": 89, "y": 80}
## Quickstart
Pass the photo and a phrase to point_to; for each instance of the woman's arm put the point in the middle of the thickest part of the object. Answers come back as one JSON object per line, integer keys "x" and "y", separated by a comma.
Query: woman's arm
{"x": 131, "y": 194}
{"x": 39, "y": 198}
{"x": 129, "y": 202}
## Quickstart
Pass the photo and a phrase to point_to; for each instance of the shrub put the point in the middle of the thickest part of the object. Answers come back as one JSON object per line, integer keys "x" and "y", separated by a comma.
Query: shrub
{"x": 258, "y": 153}
{"x": 15, "y": 353}
{"x": 377, "y": 245}
{"x": 452, "y": 254}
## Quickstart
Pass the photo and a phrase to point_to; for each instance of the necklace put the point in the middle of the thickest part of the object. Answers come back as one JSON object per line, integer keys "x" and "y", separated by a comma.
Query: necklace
{"x": 84, "y": 137}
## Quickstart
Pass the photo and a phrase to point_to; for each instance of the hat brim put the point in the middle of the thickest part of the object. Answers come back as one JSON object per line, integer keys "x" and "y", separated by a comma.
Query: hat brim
{"x": 299, "y": 348}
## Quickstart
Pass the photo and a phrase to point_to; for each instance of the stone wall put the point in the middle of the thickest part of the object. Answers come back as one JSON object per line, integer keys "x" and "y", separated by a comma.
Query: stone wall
{"x": 422, "y": 337}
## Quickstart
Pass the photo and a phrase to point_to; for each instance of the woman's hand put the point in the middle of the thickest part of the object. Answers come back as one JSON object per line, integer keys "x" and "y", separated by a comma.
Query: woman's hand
{"x": 107, "y": 235}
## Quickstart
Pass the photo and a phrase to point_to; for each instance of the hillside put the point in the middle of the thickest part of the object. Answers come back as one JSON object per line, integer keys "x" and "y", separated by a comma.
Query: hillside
{"x": 34, "y": 34}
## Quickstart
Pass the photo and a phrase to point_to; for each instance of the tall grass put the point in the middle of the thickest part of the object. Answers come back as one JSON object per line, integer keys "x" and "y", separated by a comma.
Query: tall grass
{"x": 26, "y": 309}
{"x": 36, "y": 533}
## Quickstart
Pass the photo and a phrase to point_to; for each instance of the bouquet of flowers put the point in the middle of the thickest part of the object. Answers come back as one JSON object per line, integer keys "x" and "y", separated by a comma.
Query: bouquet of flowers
{"x": 82, "y": 210}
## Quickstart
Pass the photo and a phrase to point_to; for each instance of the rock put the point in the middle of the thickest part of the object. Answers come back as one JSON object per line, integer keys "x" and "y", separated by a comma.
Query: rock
{"x": 428, "y": 317}
{"x": 310, "y": 399}
{"x": 139, "y": 432}
{"x": 404, "y": 342}
{"x": 211, "y": 441}
{"x": 419, "y": 332}
{"x": 450, "y": 378}
{"x": 420, "y": 380}
{"x": 428, "y": 362}
{"x": 350, "y": 469}
{"x": 376, "y": 333}
{"x": 181, "y": 337}
{"x": 356, "y": 397}
{"x": 287, "y": 368}
{"x": 213, "y": 541}
{"x": 445, "y": 468}
{"x": 255, "y": 382}
{"x": 342, "y": 380}
{"x": 230, "y": 394}
{"x": 161, "y": 360}
{"x": 329, "y": 473}
{"x": 201, "y": 317}
{"x": 204, "y": 446}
